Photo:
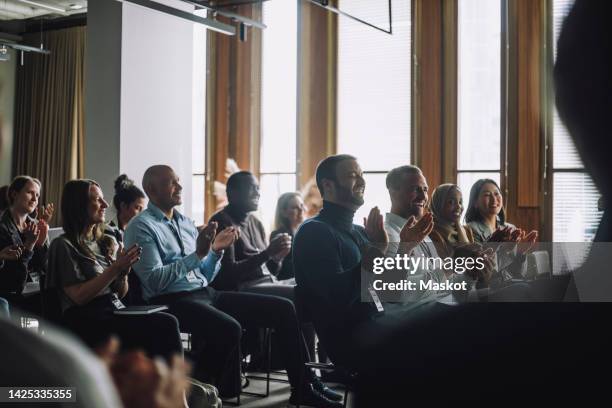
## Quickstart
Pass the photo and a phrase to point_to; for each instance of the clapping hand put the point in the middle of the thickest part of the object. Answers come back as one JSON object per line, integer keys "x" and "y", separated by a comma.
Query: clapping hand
{"x": 225, "y": 238}
{"x": 205, "y": 239}
{"x": 414, "y": 232}
{"x": 375, "y": 227}
{"x": 527, "y": 241}
{"x": 126, "y": 259}
{"x": 143, "y": 382}
{"x": 45, "y": 212}
{"x": 31, "y": 234}
{"x": 10, "y": 253}
{"x": 279, "y": 247}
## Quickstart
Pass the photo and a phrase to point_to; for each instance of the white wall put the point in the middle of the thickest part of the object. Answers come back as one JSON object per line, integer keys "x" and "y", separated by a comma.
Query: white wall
{"x": 154, "y": 102}
{"x": 7, "y": 114}
{"x": 156, "y": 93}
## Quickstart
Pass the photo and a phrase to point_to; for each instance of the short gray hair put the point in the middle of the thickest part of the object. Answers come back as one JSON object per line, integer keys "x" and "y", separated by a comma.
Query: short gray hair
{"x": 394, "y": 177}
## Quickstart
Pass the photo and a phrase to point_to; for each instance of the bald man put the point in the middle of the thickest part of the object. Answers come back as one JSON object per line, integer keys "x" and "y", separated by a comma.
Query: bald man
{"x": 176, "y": 267}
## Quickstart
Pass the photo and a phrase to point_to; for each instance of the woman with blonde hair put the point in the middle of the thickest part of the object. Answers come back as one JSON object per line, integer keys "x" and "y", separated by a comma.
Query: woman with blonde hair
{"x": 290, "y": 213}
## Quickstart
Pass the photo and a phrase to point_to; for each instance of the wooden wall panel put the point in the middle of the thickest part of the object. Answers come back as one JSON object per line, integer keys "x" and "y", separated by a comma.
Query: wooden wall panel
{"x": 428, "y": 135}
{"x": 529, "y": 39}
{"x": 233, "y": 101}
{"x": 317, "y": 58}
{"x": 523, "y": 189}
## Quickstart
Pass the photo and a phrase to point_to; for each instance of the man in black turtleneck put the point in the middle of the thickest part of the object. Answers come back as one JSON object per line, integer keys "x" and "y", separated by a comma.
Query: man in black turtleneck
{"x": 250, "y": 264}
{"x": 327, "y": 257}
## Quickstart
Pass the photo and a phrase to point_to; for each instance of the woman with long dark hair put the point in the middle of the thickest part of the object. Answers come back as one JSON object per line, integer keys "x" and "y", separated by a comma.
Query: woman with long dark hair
{"x": 90, "y": 283}
{"x": 487, "y": 219}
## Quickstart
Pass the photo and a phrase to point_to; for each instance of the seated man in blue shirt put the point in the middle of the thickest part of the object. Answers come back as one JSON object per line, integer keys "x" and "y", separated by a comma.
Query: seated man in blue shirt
{"x": 175, "y": 269}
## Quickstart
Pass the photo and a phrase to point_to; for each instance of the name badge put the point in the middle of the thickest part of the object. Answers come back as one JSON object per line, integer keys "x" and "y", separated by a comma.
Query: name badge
{"x": 192, "y": 278}
{"x": 376, "y": 299}
{"x": 117, "y": 302}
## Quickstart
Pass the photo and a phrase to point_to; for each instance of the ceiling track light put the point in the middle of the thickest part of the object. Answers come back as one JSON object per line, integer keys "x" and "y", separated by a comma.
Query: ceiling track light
{"x": 26, "y": 48}
{"x": 44, "y": 6}
{"x": 249, "y": 22}
{"x": 208, "y": 22}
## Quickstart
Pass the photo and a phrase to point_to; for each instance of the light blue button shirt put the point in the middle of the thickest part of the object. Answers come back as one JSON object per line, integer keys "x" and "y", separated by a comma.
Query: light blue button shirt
{"x": 165, "y": 265}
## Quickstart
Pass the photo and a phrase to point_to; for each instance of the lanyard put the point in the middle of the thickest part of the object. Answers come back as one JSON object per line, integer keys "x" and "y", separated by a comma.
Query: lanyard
{"x": 177, "y": 234}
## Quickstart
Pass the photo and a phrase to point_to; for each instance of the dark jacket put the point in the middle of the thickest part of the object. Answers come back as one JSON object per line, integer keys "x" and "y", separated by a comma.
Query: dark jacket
{"x": 243, "y": 261}
{"x": 15, "y": 274}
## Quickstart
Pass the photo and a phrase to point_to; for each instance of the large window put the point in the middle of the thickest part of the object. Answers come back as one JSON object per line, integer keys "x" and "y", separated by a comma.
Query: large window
{"x": 575, "y": 214}
{"x": 374, "y": 78}
{"x": 479, "y": 92}
{"x": 278, "y": 105}
{"x": 198, "y": 151}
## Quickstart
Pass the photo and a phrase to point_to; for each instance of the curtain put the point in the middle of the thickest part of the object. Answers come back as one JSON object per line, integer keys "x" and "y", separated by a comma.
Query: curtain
{"x": 49, "y": 112}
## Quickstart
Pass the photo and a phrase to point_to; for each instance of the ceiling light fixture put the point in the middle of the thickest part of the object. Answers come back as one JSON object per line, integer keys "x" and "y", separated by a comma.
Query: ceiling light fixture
{"x": 44, "y": 6}
{"x": 208, "y": 22}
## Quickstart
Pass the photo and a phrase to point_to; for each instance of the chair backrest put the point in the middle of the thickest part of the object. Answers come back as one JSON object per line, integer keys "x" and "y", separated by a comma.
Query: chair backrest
{"x": 538, "y": 264}
{"x": 55, "y": 232}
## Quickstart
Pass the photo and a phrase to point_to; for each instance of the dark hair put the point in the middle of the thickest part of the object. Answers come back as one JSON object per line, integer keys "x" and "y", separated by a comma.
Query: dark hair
{"x": 75, "y": 215}
{"x": 4, "y": 203}
{"x": 472, "y": 213}
{"x": 125, "y": 192}
{"x": 394, "y": 177}
{"x": 326, "y": 169}
{"x": 234, "y": 181}
{"x": 583, "y": 85}
{"x": 17, "y": 185}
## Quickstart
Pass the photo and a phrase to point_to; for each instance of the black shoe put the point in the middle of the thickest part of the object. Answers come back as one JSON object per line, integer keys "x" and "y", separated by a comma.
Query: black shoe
{"x": 318, "y": 385}
{"x": 338, "y": 375}
{"x": 309, "y": 397}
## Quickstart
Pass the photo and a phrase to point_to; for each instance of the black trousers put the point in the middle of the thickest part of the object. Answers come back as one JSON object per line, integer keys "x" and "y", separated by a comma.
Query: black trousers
{"x": 157, "y": 333}
{"x": 215, "y": 319}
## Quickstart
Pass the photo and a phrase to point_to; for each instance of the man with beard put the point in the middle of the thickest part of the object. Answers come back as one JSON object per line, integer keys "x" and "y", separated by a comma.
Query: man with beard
{"x": 327, "y": 258}
{"x": 409, "y": 194}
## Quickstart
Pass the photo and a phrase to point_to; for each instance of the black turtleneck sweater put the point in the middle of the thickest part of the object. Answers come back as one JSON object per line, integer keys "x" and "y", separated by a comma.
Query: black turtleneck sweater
{"x": 242, "y": 262}
{"x": 327, "y": 264}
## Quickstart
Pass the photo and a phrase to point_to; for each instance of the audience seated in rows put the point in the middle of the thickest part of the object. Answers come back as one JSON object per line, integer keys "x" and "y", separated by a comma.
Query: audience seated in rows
{"x": 178, "y": 264}
{"x": 90, "y": 283}
{"x": 23, "y": 241}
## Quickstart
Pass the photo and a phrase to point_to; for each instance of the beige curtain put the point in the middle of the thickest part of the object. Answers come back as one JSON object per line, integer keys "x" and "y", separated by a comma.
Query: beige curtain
{"x": 49, "y": 112}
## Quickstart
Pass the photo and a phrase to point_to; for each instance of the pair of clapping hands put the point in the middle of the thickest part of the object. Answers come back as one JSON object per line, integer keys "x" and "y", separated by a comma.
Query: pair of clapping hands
{"x": 144, "y": 382}
{"x": 208, "y": 238}
{"x": 412, "y": 234}
{"x": 524, "y": 241}
{"x": 35, "y": 234}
